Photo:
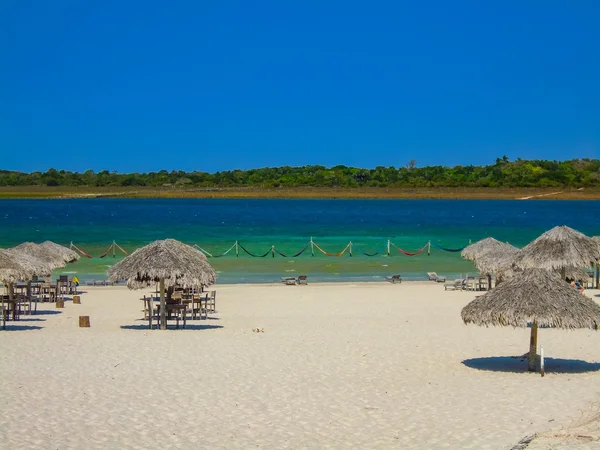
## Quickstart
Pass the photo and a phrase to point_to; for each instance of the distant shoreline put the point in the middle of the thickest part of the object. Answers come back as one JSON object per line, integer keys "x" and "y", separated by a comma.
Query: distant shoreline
{"x": 41, "y": 192}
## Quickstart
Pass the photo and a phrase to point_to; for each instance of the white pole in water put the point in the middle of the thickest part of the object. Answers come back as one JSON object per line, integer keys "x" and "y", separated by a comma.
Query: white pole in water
{"x": 542, "y": 360}
{"x": 237, "y": 251}
{"x": 312, "y": 247}
{"x": 388, "y": 247}
{"x": 350, "y": 248}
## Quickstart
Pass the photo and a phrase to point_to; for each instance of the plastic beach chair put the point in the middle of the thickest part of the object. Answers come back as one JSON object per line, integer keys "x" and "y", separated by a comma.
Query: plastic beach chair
{"x": 394, "y": 279}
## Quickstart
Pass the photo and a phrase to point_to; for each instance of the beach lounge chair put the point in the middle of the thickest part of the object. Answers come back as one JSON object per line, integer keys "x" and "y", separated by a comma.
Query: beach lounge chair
{"x": 459, "y": 284}
{"x": 394, "y": 279}
{"x": 435, "y": 277}
{"x": 302, "y": 279}
{"x": 289, "y": 281}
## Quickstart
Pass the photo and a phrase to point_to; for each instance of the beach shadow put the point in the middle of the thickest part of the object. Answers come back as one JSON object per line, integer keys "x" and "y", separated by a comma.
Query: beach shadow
{"x": 30, "y": 319}
{"x": 20, "y": 328}
{"x": 46, "y": 312}
{"x": 519, "y": 365}
{"x": 172, "y": 327}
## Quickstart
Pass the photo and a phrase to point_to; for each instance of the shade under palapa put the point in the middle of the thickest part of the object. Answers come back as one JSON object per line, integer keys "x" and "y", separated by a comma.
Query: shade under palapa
{"x": 557, "y": 249}
{"x": 65, "y": 253}
{"x": 536, "y": 297}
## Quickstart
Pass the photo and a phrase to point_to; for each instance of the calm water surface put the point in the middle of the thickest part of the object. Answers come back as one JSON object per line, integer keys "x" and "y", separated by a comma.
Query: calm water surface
{"x": 214, "y": 225}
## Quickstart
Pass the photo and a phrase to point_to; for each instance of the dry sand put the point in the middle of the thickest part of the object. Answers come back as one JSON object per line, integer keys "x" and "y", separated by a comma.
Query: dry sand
{"x": 338, "y": 366}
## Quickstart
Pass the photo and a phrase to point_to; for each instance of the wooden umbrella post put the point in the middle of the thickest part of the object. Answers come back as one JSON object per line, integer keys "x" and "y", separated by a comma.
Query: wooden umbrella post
{"x": 532, "y": 347}
{"x": 542, "y": 371}
{"x": 163, "y": 305}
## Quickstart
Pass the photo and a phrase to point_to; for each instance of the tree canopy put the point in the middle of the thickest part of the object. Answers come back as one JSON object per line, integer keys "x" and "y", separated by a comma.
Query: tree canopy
{"x": 503, "y": 173}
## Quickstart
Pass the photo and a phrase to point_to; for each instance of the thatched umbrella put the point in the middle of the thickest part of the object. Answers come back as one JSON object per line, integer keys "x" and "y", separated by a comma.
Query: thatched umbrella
{"x": 66, "y": 254}
{"x": 490, "y": 256}
{"x": 576, "y": 274}
{"x": 48, "y": 256}
{"x": 596, "y": 239}
{"x": 499, "y": 262}
{"x": 15, "y": 268}
{"x": 538, "y": 297}
{"x": 480, "y": 248}
{"x": 40, "y": 258}
{"x": 557, "y": 249}
{"x": 36, "y": 265}
{"x": 167, "y": 262}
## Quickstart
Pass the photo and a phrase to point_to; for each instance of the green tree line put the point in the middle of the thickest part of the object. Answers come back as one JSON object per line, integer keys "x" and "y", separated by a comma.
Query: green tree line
{"x": 503, "y": 173}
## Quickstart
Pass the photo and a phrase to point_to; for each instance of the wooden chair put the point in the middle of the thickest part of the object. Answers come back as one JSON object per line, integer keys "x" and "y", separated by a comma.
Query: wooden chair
{"x": 151, "y": 313}
{"x": 199, "y": 306}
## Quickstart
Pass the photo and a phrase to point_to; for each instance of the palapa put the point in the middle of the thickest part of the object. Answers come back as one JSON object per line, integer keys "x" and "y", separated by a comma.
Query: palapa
{"x": 557, "y": 249}
{"x": 40, "y": 252}
{"x": 499, "y": 262}
{"x": 66, "y": 254}
{"x": 13, "y": 268}
{"x": 576, "y": 274}
{"x": 480, "y": 248}
{"x": 491, "y": 256}
{"x": 536, "y": 297}
{"x": 596, "y": 239}
{"x": 168, "y": 262}
{"x": 36, "y": 265}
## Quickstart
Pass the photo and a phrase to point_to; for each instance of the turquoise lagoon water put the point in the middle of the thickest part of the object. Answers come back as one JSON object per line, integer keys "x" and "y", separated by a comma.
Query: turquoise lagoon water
{"x": 215, "y": 224}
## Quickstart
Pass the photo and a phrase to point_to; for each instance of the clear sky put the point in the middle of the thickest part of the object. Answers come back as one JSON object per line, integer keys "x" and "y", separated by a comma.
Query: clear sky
{"x": 217, "y": 85}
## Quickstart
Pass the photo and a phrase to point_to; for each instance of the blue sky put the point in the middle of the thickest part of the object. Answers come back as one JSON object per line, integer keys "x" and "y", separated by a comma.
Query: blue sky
{"x": 142, "y": 86}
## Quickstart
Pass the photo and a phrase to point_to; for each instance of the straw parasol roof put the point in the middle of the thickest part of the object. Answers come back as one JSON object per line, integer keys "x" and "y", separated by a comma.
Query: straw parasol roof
{"x": 536, "y": 295}
{"x": 37, "y": 265}
{"x": 66, "y": 254}
{"x": 44, "y": 254}
{"x": 171, "y": 260}
{"x": 596, "y": 239}
{"x": 557, "y": 249}
{"x": 13, "y": 268}
{"x": 576, "y": 273}
{"x": 480, "y": 248}
{"x": 539, "y": 297}
{"x": 499, "y": 261}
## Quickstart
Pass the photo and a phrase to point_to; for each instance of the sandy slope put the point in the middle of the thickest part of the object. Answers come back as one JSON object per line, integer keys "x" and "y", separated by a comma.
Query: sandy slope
{"x": 338, "y": 366}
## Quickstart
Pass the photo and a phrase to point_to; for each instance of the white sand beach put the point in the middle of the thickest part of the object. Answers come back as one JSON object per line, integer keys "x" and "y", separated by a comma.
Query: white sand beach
{"x": 337, "y": 366}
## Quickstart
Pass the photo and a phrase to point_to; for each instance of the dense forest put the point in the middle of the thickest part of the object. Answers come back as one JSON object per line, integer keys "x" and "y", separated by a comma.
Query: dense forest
{"x": 504, "y": 173}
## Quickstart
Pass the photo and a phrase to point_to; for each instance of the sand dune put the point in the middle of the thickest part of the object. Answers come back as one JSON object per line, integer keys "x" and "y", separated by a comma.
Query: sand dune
{"x": 338, "y": 366}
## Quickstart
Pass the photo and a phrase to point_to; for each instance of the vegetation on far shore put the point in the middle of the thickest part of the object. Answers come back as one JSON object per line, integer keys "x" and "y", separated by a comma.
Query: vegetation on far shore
{"x": 574, "y": 179}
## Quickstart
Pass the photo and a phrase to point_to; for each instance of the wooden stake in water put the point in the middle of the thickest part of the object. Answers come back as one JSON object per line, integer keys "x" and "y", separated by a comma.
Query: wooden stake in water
{"x": 542, "y": 359}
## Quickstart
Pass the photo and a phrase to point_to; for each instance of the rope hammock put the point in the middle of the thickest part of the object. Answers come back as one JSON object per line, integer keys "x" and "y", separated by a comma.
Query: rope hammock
{"x": 411, "y": 253}
{"x": 369, "y": 254}
{"x": 332, "y": 254}
{"x": 73, "y": 246}
{"x": 453, "y": 250}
